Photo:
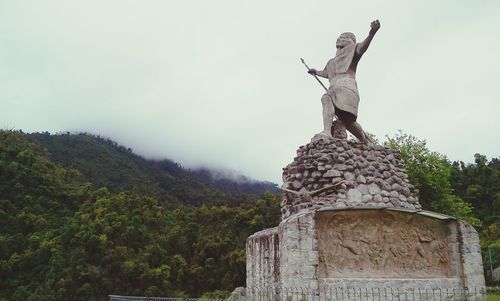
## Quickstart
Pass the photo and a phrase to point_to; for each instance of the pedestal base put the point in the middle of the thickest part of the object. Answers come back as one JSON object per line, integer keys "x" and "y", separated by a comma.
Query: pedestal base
{"x": 370, "y": 251}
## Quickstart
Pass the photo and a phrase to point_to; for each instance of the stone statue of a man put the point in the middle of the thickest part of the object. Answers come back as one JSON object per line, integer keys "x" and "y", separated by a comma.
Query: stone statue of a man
{"x": 342, "y": 97}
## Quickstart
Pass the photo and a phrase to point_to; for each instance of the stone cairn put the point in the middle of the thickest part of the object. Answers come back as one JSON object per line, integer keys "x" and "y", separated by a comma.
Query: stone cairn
{"x": 337, "y": 173}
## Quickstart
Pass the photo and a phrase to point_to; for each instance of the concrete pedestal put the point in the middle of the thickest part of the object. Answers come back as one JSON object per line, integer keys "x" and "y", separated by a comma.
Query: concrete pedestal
{"x": 367, "y": 251}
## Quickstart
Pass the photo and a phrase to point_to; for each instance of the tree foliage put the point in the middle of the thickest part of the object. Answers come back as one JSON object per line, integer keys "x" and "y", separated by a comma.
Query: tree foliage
{"x": 430, "y": 173}
{"x": 479, "y": 183}
{"x": 61, "y": 239}
{"x": 470, "y": 192}
{"x": 81, "y": 218}
{"x": 36, "y": 198}
{"x": 105, "y": 163}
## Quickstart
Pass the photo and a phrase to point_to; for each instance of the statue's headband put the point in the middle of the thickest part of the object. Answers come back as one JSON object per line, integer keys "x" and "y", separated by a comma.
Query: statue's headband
{"x": 350, "y": 35}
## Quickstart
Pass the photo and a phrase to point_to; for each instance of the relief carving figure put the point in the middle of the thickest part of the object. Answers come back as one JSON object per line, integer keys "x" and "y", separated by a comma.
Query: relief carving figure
{"x": 342, "y": 98}
{"x": 377, "y": 255}
{"x": 382, "y": 243}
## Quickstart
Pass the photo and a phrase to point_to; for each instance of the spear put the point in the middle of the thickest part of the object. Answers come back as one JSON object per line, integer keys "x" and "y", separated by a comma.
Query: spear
{"x": 314, "y": 192}
{"x": 316, "y": 77}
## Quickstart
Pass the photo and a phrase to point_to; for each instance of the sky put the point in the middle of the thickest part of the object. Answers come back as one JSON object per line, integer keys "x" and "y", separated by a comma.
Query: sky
{"x": 219, "y": 83}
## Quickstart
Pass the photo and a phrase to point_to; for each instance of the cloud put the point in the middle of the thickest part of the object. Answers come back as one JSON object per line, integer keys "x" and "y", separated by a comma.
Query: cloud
{"x": 219, "y": 83}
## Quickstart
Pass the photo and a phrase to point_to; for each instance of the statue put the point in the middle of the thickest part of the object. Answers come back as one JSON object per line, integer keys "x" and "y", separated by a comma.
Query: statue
{"x": 342, "y": 98}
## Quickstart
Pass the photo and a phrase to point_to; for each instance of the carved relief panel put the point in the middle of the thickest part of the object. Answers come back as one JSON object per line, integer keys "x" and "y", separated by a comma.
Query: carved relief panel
{"x": 381, "y": 244}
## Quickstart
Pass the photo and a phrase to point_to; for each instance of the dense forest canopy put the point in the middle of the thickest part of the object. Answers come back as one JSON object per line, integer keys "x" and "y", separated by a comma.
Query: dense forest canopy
{"x": 82, "y": 217}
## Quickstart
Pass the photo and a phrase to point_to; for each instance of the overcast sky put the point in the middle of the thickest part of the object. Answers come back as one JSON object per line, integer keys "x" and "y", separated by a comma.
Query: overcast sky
{"x": 219, "y": 83}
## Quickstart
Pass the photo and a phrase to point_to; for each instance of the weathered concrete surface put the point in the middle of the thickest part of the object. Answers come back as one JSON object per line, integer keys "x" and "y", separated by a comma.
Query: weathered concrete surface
{"x": 263, "y": 259}
{"x": 368, "y": 249}
{"x": 299, "y": 254}
{"x": 383, "y": 244}
{"x": 470, "y": 252}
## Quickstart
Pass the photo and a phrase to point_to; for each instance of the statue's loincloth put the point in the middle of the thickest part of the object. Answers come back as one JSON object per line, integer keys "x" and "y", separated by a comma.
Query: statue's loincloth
{"x": 344, "y": 94}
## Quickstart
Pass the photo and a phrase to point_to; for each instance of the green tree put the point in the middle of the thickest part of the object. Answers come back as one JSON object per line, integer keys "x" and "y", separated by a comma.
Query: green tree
{"x": 479, "y": 183}
{"x": 60, "y": 239}
{"x": 113, "y": 244}
{"x": 36, "y": 198}
{"x": 430, "y": 173}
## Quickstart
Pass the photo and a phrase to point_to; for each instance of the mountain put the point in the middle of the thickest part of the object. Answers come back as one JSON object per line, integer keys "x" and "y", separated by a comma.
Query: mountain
{"x": 65, "y": 236}
{"x": 233, "y": 182}
{"x": 104, "y": 163}
{"x": 82, "y": 217}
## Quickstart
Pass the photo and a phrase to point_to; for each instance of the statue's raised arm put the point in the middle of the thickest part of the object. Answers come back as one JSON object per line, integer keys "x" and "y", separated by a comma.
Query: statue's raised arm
{"x": 363, "y": 46}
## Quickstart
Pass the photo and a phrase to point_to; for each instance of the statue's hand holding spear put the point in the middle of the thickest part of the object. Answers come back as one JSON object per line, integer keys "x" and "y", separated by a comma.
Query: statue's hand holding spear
{"x": 314, "y": 73}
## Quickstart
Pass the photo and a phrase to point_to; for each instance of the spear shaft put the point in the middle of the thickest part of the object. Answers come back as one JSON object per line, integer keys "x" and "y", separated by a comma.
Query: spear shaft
{"x": 316, "y": 77}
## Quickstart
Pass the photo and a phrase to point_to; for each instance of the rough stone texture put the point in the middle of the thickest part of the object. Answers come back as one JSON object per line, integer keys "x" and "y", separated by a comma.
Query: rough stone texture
{"x": 351, "y": 219}
{"x": 368, "y": 249}
{"x": 366, "y": 173}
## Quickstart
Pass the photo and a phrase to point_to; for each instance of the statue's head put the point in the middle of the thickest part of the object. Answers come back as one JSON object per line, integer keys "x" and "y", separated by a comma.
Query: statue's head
{"x": 345, "y": 39}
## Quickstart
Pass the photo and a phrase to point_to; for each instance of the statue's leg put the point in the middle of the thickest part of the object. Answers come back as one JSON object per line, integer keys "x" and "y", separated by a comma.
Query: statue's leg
{"x": 328, "y": 114}
{"x": 355, "y": 129}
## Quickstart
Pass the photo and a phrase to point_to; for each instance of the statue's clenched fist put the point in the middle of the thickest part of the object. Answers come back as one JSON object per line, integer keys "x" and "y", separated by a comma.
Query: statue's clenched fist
{"x": 375, "y": 26}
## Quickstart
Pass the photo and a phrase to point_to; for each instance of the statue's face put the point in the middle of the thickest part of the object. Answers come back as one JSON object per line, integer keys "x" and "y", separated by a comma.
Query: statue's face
{"x": 344, "y": 40}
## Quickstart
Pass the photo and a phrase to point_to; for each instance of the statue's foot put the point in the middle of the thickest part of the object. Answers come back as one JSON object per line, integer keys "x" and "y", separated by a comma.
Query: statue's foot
{"x": 322, "y": 136}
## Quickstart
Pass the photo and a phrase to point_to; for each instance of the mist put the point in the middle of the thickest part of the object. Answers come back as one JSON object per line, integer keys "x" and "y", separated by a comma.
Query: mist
{"x": 220, "y": 83}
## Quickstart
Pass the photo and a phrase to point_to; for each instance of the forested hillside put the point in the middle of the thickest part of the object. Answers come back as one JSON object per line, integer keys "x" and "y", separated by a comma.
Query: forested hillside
{"x": 82, "y": 217}
{"x": 104, "y": 163}
{"x": 64, "y": 238}
{"x": 234, "y": 183}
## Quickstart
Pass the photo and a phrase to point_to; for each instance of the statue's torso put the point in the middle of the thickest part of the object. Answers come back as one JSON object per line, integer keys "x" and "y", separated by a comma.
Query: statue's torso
{"x": 340, "y": 65}
{"x": 343, "y": 88}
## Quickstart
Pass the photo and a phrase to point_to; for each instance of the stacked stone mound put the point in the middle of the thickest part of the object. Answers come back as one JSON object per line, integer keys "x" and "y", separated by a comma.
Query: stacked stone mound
{"x": 338, "y": 173}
